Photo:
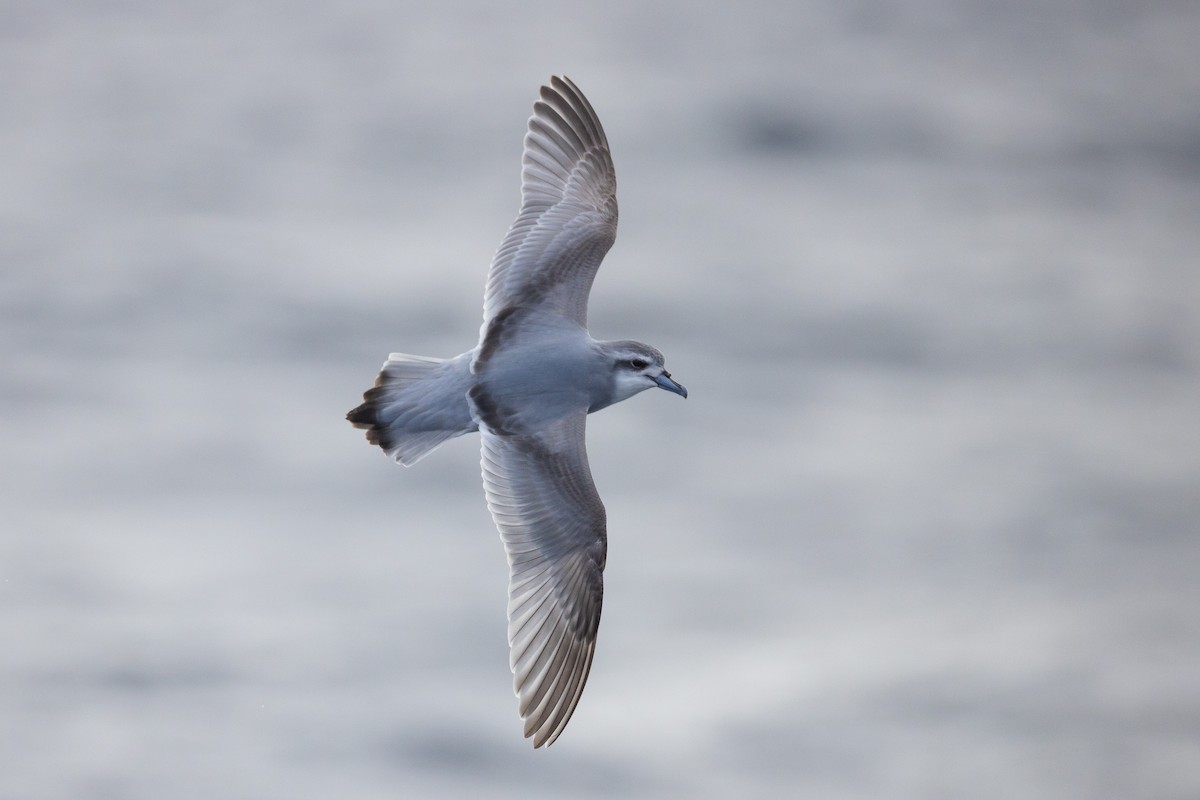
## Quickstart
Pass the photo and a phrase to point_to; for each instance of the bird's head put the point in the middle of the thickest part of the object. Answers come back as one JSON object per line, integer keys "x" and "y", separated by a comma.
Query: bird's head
{"x": 637, "y": 367}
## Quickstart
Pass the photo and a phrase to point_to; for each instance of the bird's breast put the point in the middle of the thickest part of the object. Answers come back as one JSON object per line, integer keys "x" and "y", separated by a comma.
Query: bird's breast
{"x": 543, "y": 374}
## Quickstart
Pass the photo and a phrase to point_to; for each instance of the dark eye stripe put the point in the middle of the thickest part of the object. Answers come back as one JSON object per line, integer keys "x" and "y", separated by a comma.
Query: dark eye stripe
{"x": 638, "y": 363}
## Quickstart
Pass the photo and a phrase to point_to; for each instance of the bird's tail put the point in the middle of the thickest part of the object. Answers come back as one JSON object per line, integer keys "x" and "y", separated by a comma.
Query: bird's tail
{"x": 416, "y": 404}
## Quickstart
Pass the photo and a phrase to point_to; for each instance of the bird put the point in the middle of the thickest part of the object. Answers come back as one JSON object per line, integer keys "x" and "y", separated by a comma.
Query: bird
{"x": 527, "y": 388}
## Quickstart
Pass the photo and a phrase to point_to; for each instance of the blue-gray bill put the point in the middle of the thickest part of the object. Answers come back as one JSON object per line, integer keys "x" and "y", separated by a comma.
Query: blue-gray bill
{"x": 664, "y": 381}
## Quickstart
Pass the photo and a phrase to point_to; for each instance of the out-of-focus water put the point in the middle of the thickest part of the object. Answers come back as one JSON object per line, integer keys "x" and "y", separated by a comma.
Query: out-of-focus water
{"x": 927, "y": 527}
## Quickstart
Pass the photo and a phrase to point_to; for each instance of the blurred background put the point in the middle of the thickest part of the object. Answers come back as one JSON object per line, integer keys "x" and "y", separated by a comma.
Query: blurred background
{"x": 927, "y": 527}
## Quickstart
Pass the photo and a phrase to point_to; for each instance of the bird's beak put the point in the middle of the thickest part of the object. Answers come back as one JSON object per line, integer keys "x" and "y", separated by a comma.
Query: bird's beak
{"x": 664, "y": 382}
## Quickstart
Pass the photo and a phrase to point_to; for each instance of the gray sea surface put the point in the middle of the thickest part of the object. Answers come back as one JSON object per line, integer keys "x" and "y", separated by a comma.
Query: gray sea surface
{"x": 928, "y": 525}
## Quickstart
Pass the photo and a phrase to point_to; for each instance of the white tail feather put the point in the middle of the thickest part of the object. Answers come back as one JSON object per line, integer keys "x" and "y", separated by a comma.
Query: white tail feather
{"x": 416, "y": 404}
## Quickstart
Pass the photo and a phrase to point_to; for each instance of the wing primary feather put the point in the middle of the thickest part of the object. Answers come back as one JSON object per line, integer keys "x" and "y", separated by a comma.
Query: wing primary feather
{"x": 571, "y": 700}
{"x": 547, "y": 125}
{"x": 533, "y": 655}
{"x": 540, "y": 675}
{"x": 567, "y": 692}
{"x": 523, "y": 644}
{"x": 549, "y": 681}
{"x": 591, "y": 119}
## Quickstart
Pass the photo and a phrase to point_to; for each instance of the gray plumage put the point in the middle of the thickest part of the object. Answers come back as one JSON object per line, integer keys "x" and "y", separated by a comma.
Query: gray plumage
{"x": 528, "y": 387}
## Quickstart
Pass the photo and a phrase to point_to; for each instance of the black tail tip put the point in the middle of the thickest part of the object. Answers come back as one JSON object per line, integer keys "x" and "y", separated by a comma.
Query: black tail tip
{"x": 366, "y": 415}
{"x": 366, "y": 418}
{"x": 363, "y": 416}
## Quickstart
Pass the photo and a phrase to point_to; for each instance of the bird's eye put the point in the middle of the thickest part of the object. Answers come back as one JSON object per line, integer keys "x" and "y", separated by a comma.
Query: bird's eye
{"x": 638, "y": 363}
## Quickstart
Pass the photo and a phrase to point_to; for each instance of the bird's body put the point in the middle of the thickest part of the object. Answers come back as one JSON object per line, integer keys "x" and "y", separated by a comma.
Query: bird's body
{"x": 528, "y": 386}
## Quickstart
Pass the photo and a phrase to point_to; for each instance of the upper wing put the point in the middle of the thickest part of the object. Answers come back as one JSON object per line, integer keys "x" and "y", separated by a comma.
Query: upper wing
{"x": 568, "y": 217}
{"x": 540, "y": 492}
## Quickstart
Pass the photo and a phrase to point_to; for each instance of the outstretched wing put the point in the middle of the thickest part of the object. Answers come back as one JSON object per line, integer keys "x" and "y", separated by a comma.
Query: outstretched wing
{"x": 540, "y": 492}
{"x": 568, "y": 217}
